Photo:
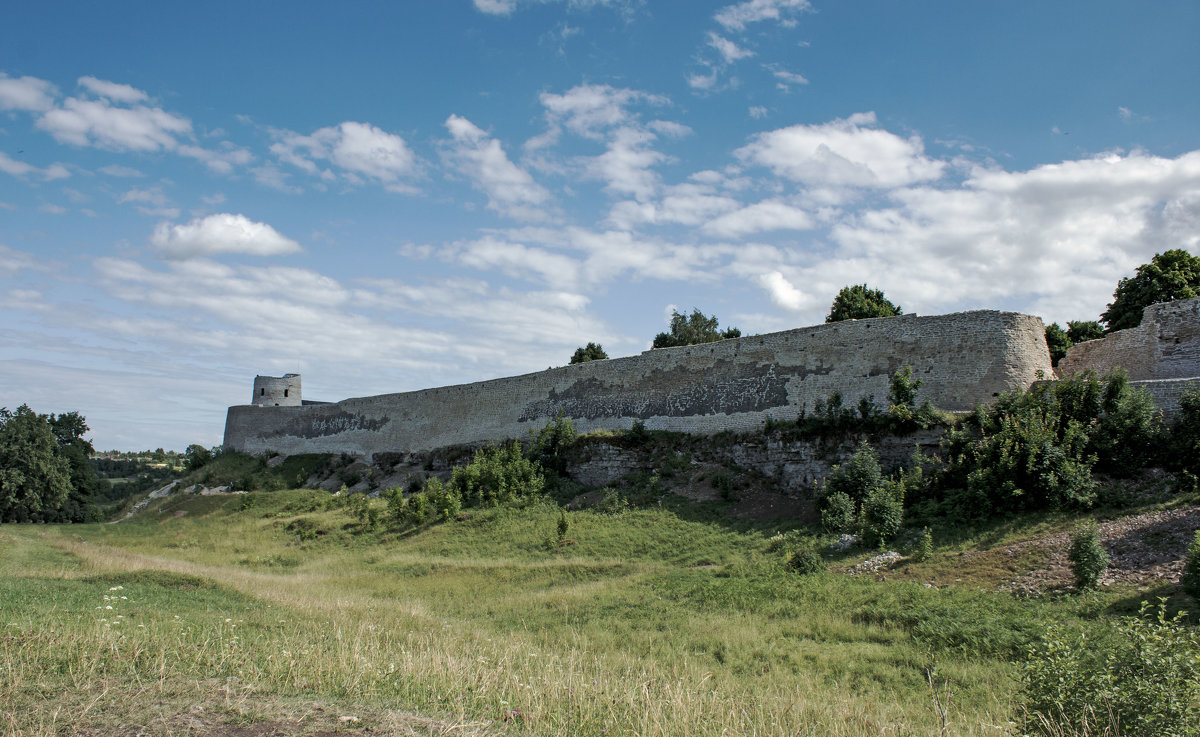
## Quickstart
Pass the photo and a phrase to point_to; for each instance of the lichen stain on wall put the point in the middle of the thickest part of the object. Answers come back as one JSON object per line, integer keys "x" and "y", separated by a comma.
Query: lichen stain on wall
{"x": 687, "y": 393}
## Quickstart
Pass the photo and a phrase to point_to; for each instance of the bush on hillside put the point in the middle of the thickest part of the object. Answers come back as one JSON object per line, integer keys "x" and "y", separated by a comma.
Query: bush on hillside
{"x": 857, "y": 477}
{"x": 1141, "y": 678}
{"x": 837, "y": 512}
{"x": 1089, "y": 559}
{"x": 548, "y": 446}
{"x": 1185, "y": 434}
{"x": 1190, "y": 580}
{"x": 883, "y": 513}
{"x": 805, "y": 560}
{"x": 498, "y": 474}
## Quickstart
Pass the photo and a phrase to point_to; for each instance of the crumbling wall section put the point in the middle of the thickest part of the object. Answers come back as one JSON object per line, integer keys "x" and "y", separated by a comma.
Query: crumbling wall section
{"x": 1166, "y": 345}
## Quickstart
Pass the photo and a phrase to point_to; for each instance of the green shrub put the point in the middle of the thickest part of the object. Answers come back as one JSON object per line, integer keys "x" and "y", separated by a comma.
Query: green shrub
{"x": 1088, "y": 557}
{"x": 837, "y": 512}
{"x": 564, "y": 526}
{"x": 1137, "y": 677}
{"x": 857, "y": 477}
{"x": 445, "y": 500}
{"x": 924, "y": 546}
{"x": 1185, "y": 434}
{"x": 805, "y": 560}
{"x": 549, "y": 445}
{"x": 498, "y": 474}
{"x": 1191, "y": 568}
{"x": 883, "y": 513}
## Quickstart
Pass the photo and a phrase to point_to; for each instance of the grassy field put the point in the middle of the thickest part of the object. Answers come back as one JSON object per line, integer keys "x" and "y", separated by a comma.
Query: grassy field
{"x": 270, "y": 613}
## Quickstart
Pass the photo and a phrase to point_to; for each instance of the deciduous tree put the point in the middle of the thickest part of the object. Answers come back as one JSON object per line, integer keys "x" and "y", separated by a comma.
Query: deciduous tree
{"x": 1169, "y": 276}
{"x": 858, "y": 302}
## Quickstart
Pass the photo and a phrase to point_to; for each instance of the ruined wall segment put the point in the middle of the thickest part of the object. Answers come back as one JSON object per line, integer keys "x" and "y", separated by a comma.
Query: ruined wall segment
{"x": 962, "y": 359}
{"x": 1165, "y": 346}
{"x": 277, "y": 391}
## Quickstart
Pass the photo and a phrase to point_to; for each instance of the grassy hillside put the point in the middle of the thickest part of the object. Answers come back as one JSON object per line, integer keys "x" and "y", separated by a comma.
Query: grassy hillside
{"x": 204, "y": 613}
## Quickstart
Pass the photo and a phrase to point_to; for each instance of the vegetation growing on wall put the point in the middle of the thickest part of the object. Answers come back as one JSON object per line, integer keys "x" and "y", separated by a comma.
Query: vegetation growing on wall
{"x": 859, "y": 302}
{"x": 693, "y": 329}
{"x": 590, "y": 352}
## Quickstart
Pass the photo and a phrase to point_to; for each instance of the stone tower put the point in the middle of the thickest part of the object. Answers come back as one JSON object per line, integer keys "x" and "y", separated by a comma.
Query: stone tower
{"x": 277, "y": 391}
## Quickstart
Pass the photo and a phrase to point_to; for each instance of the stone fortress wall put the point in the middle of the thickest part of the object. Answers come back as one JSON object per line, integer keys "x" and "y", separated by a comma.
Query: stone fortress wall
{"x": 1161, "y": 355}
{"x": 963, "y": 359}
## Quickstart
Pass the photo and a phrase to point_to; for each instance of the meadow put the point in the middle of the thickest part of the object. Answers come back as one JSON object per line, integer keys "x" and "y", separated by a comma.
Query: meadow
{"x": 273, "y": 611}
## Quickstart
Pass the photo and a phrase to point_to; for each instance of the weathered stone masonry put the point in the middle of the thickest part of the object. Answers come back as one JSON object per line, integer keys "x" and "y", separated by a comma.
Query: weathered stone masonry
{"x": 1161, "y": 355}
{"x": 962, "y": 359}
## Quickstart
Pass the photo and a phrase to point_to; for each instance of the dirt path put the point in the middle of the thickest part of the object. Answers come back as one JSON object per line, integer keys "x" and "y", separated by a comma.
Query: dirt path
{"x": 1145, "y": 549}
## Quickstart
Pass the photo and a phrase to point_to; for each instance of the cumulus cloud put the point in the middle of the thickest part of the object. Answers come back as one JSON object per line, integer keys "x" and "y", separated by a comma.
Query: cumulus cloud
{"x": 782, "y": 292}
{"x": 357, "y": 149}
{"x": 112, "y": 90}
{"x": 736, "y": 17}
{"x": 589, "y": 110}
{"x": 17, "y": 168}
{"x": 846, "y": 152}
{"x": 83, "y": 122}
{"x": 510, "y": 189}
{"x": 759, "y": 217}
{"x": 221, "y": 233}
{"x": 26, "y": 93}
{"x": 115, "y": 170}
{"x": 625, "y": 167}
{"x": 506, "y": 7}
{"x": 729, "y": 51}
{"x": 786, "y": 78}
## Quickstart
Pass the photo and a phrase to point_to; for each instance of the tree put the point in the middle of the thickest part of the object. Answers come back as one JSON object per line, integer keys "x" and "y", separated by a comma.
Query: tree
{"x": 197, "y": 456}
{"x": 1169, "y": 276}
{"x": 1081, "y": 331}
{"x": 695, "y": 329}
{"x": 69, "y": 429}
{"x": 1058, "y": 341}
{"x": 590, "y": 352}
{"x": 860, "y": 301}
{"x": 35, "y": 477}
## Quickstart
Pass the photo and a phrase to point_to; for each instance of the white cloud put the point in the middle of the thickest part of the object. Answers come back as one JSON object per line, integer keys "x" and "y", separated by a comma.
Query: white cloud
{"x": 221, "y": 233}
{"x": 843, "y": 153}
{"x": 358, "y": 149}
{"x": 221, "y": 161}
{"x": 271, "y": 176}
{"x": 757, "y": 112}
{"x": 684, "y": 204}
{"x": 626, "y": 166}
{"x": 589, "y": 110}
{"x": 97, "y": 123}
{"x": 510, "y": 189}
{"x": 736, "y": 17}
{"x": 114, "y": 170}
{"x": 506, "y": 7}
{"x": 703, "y": 82}
{"x": 759, "y": 217}
{"x": 26, "y": 93}
{"x": 1058, "y": 236}
{"x": 13, "y": 261}
{"x": 112, "y": 90}
{"x": 785, "y": 77}
{"x": 52, "y": 209}
{"x": 728, "y": 50}
{"x": 17, "y": 168}
{"x": 782, "y": 292}
{"x": 496, "y": 7}
{"x": 517, "y": 260}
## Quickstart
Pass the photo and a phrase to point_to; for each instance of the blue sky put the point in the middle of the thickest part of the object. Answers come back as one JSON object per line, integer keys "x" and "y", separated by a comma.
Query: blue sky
{"x": 392, "y": 196}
